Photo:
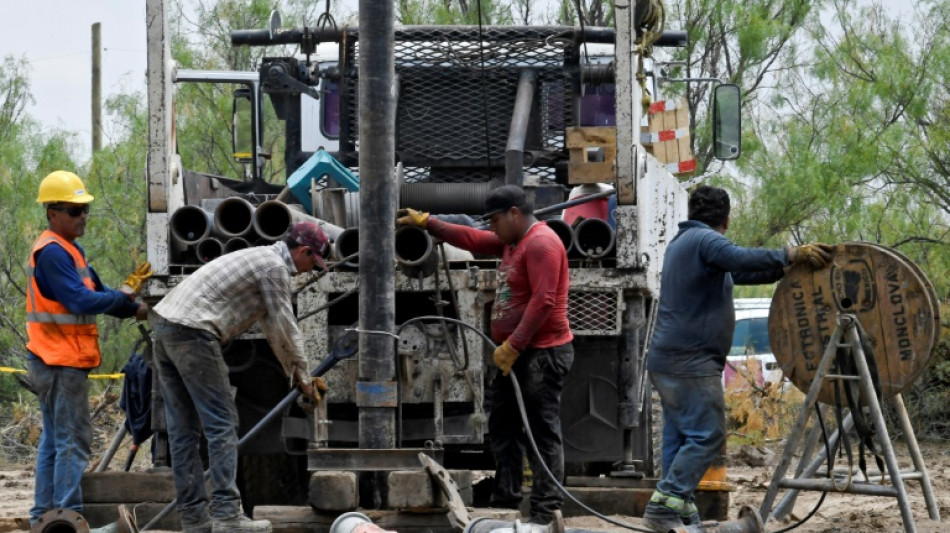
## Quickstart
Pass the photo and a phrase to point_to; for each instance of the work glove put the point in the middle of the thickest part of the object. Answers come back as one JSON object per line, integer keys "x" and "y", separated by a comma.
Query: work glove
{"x": 310, "y": 388}
{"x": 505, "y": 357}
{"x": 818, "y": 255}
{"x": 411, "y": 217}
{"x": 133, "y": 283}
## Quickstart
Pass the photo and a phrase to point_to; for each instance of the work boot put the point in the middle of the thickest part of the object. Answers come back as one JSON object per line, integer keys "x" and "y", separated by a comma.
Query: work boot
{"x": 661, "y": 519}
{"x": 240, "y": 524}
{"x": 690, "y": 515}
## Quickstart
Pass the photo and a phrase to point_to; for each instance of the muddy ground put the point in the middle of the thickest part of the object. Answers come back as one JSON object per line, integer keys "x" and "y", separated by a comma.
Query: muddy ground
{"x": 839, "y": 513}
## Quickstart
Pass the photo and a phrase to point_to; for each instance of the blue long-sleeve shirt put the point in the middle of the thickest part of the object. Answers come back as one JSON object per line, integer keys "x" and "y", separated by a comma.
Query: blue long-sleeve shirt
{"x": 57, "y": 279}
{"x": 696, "y": 318}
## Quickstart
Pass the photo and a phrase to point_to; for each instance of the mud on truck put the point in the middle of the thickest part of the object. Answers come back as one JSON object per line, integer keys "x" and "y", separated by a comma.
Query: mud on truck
{"x": 475, "y": 108}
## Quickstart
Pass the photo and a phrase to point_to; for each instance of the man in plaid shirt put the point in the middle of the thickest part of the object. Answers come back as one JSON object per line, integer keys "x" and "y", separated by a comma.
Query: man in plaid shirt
{"x": 212, "y": 306}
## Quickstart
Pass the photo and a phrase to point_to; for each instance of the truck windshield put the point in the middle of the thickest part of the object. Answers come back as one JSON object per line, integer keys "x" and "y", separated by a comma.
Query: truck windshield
{"x": 751, "y": 337}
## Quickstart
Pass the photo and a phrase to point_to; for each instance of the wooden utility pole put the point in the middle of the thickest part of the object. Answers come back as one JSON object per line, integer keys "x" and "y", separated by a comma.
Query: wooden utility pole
{"x": 96, "y": 88}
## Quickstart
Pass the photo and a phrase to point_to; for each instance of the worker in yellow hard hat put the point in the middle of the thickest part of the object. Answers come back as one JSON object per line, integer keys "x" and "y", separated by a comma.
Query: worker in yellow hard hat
{"x": 64, "y": 295}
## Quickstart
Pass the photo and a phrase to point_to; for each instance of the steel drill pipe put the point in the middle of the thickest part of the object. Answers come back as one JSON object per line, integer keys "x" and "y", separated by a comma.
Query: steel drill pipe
{"x": 594, "y": 238}
{"x": 490, "y": 525}
{"x": 235, "y": 244}
{"x": 209, "y": 249}
{"x": 563, "y": 232}
{"x": 234, "y": 217}
{"x": 415, "y": 252}
{"x": 518, "y": 131}
{"x": 190, "y": 224}
{"x": 273, "y": 218}
{"x": 354, "y": 522}
{"x": 378, "y": 198}
{"x": 348, "y": 243}
{"x": 60, "y": 521}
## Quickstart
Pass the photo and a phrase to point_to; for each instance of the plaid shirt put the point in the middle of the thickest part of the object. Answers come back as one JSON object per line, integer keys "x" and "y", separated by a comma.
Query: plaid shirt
{"x": 227, "y": 296}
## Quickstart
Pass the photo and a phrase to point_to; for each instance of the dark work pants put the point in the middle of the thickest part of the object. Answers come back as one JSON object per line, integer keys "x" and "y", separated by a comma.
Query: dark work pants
{"x": 197, "y": 393}
{"x": 540, "y": 374}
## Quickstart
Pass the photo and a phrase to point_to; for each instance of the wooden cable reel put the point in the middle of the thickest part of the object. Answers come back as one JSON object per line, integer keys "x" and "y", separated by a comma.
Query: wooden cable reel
{"x": 891, "y": 297}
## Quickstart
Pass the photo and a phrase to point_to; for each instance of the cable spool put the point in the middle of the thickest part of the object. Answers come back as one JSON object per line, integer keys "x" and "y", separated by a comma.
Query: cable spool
{"x": 891, "y": 297}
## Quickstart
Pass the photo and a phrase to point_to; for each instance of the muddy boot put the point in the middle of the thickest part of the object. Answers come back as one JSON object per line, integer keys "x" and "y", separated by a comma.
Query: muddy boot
{"x": 661, "y": 519}
{"x": 240, "y": 524}
{"x": 690, "y": 515}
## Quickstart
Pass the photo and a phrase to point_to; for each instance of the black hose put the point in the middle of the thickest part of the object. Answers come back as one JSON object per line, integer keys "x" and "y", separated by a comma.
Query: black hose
{"x": 527, "y": 427}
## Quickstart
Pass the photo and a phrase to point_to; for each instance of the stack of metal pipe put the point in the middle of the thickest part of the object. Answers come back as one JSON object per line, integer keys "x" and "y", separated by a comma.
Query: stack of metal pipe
{"x": 199, "y": 235}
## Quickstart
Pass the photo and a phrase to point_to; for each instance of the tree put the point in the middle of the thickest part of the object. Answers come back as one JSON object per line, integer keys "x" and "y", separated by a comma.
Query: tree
{"x": 590, "y": 13}
{"x": 468, "y": 12}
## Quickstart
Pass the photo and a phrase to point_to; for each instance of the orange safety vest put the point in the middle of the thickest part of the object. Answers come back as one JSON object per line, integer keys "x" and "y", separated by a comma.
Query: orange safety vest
{"x": 55, "y": 335}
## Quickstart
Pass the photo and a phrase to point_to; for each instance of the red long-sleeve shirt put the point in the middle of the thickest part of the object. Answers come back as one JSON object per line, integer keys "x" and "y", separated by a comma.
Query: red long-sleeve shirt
{"x": 530, "y": 308}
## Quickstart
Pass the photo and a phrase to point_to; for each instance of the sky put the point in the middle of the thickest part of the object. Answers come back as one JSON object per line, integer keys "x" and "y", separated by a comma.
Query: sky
{"x": 56, "y": 36}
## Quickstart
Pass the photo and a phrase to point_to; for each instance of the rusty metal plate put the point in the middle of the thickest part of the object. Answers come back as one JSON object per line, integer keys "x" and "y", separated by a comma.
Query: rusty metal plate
{"x": 895, "y": 305}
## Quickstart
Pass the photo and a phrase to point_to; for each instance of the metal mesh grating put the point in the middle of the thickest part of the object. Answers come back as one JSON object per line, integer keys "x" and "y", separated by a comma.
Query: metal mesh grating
{"x": 450, "y": 81}
{"x": 442, "y": 114}
{"x": 501, "y": 46}
{"x": 594, "y": 312}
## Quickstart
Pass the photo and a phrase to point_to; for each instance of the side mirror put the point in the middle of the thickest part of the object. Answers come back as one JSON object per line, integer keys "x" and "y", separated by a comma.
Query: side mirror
{"x": 242, "y": 132}
{"x": 727, "y": 122}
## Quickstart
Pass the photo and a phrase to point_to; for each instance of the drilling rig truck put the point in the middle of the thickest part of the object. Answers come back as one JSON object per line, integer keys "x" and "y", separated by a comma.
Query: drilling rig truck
{"x": 475, "y": 108}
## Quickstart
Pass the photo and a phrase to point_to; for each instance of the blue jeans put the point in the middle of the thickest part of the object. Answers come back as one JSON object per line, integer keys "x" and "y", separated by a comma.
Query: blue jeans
{"x": 197, "y": 392}
{"x": 541, "y": 373}
{"x": 694, "y": 429}
{"x": 64, "y": 447}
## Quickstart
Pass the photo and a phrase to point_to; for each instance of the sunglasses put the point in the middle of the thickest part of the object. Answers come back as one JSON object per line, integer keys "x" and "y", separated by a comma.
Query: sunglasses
{"x": 73, "y": 210}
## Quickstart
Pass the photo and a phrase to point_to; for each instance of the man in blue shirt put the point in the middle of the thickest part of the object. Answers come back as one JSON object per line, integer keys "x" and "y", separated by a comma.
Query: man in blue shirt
{"x": 694, "y": 327}
{"x": 64, "y": 295}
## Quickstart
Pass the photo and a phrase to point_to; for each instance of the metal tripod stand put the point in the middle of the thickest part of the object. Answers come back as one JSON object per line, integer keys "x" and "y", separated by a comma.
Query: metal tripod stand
{"x": 846, "y": 337}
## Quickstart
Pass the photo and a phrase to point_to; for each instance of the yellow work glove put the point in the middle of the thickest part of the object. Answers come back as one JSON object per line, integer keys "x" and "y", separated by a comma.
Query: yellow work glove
{"x": 505, "y": 356}
{"x": 310, "y": 388}
{"x": 133, "y": 283}
{"x": 818, "y": 255}
{"x": 411, "y": 217}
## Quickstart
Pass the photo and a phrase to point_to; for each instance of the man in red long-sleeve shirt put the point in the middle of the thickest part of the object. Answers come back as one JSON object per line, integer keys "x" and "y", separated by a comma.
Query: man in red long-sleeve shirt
{"x": 529, "y": 321}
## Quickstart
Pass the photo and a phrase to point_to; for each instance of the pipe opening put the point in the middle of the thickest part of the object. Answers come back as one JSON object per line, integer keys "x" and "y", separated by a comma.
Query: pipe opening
{"x": 563, "y": 232}
{"x": 60, "y": 521}
{"x": 236, "y": 244}
{"x": 272, "y": 220}
{"x": 190, "y": 224}
{"x": 348, "y": 243}
{"x": 413, "y": 245}
{"x": 234, "y": 217}
{"x": 594, "y": 238}
{"x": 208, "y": 250}
{"x": 59, "y": 527}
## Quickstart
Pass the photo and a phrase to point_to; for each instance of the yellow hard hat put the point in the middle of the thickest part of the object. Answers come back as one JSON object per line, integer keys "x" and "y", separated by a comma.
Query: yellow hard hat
{"x": 63, "y": 186}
